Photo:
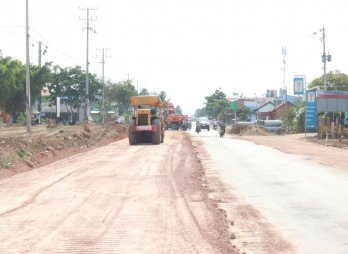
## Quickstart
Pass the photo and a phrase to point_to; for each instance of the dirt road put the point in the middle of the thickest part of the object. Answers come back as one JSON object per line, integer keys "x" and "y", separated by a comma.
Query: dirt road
{"x": 114, "y": 199}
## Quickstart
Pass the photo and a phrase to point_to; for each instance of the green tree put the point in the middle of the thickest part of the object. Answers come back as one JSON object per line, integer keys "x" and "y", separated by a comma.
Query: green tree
{"x": 335, "y": 81}
{"x": 39, "y": 78}
{"x": 294, "y": 118}
{"x": 244, "y": 113}
{"x": 12, "y": 86}
{"x": 178, "y": 110}
{"x": 216, "y": 104}
{"x": 119, "y": 95}
{"x": 144, "y": 91}
{"x": 200, "y": 112}
{"x": 163, "y": 95}
{"x": 69, "y": 84}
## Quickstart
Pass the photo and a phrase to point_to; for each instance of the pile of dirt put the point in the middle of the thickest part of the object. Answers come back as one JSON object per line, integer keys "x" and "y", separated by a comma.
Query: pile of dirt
{"x": 21, "y": 151}
{"x": 252, "y": 130}
{"x": 339, "y": 143}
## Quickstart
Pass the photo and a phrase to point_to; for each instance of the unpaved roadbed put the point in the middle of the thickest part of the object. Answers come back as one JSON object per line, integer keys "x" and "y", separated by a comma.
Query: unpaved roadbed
{"x": 114, "y": 199}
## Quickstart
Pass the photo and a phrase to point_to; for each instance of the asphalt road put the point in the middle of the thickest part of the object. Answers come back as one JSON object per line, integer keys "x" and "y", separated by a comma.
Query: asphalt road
{"x": 305, "y": 200}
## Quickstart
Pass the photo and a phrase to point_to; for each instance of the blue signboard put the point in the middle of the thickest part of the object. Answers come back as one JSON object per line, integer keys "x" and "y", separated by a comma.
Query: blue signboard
{"x": 298, "y": 85}
{"x": 311, "y": 110}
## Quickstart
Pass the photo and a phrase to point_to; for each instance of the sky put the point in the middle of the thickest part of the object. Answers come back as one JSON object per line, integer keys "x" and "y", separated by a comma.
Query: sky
{"x": 188, "y": 48}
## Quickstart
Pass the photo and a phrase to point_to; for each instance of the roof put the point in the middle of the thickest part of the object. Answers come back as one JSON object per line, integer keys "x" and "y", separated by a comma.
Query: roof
{"x": 282, "y": 104}
{"x": 264, "y": 105}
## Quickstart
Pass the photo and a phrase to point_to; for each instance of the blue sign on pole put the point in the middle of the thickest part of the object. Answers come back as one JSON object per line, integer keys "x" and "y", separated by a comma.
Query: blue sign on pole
{"x": 311, "y": 110}
{"x": 298, "y": 85}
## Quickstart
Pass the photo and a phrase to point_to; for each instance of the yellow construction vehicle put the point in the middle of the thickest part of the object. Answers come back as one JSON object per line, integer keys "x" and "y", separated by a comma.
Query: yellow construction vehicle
{"x": 146, "y": 124}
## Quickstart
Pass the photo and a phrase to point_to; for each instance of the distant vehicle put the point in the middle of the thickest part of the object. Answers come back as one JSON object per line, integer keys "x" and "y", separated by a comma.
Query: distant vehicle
{"x": 176, "y": 122}
{"x": 204, "y": 123}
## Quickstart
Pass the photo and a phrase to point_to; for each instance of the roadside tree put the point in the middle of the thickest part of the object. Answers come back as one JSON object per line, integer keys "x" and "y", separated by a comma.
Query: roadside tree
{"x": 118, "y": 95}
{"x": 200, "y": 112}
{"x": 69, "y": 84}
{"x": 293, "y": 119}
{"x": 336, "y": 80}
{"x": 216, "y": 104}
{"x": 12, "y": 86}
{"x": 178, "y": 110}
{"x": 243, "y": 113}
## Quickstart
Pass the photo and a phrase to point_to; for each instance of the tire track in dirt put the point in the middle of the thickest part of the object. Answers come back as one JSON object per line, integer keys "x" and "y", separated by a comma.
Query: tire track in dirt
{"x": 36, "y": 194}
{"x": 121, "y": 199}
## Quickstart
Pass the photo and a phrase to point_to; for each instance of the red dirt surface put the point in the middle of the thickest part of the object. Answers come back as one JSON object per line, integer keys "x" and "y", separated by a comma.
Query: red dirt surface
{"x": 20, "y": 151}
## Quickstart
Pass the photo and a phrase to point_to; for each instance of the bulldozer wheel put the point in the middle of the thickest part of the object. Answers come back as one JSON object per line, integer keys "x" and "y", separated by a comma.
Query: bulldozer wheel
{"x": 131, "y": 135}
{"x": 156, "y": 136}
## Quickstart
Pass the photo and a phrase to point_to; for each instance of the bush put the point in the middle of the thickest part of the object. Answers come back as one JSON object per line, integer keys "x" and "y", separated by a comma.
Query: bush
{"x": 21, "y": 118}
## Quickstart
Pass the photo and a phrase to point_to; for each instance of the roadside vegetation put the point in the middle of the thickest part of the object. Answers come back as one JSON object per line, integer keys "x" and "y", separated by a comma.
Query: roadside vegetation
{"x": 68, "y": 83}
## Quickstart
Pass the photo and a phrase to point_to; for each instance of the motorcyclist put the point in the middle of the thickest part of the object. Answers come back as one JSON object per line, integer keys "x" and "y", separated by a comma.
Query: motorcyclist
{"x": 198, "y": 127}
{"x": 222, "y": 125}
{"x": 222, "y": 128}
{"x": 189, "y": 124}
{"x": 214, "y": 124}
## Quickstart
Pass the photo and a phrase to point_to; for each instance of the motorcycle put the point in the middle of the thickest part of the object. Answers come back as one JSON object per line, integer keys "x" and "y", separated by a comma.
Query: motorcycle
{"x": 214, "y": 126}
{"x": 198, "y": 129}
{"x": 222, "y": 133}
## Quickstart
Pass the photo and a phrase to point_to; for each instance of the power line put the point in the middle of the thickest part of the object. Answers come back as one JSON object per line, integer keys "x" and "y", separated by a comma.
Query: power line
{"x": 52, "y": 46}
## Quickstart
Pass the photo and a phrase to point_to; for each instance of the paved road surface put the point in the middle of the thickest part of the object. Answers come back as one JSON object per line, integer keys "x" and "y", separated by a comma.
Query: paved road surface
{"x": 307, "y": 201}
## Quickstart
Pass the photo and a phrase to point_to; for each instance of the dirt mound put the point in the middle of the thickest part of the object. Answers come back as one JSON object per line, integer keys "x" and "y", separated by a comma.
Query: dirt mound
{"x": 20, "y": 151}
{"x": 252, "y": 130}
{"x": 340, "y": 143}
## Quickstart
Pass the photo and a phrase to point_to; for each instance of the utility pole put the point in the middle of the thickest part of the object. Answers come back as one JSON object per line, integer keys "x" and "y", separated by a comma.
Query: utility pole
{"x": 103, "y": 82}
{"x": 284, "y": 63}
{"x": 40, "y": 53}
{"x": 39, "y": 61}
{"x": 88, "y": 28}
{"x": 27, "y": 72}
{"x": 285, "y": 89}
{"x": 324, "y": 58}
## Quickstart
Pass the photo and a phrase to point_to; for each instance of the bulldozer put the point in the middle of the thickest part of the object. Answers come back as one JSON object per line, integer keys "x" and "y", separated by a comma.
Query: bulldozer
{"x": 146, "y": 124}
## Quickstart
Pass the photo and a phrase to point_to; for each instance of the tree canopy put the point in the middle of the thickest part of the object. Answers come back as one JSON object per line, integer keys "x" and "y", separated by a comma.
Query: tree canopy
{"x": 216, "y": 104}
{"x": 12, "y": 84}
{"x": 178, "y": 110}
{"x": 336, "y": 80}
{"x": 67, "y": 83}
{"x": 118, "y": 94}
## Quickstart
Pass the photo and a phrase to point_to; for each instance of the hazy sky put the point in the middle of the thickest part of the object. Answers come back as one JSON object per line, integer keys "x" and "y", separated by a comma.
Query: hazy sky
{"x": 187, "y": 48}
